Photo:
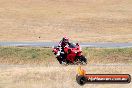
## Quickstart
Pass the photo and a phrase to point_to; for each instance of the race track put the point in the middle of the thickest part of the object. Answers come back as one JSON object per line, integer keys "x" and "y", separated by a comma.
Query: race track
{"x": 50, "y": 44}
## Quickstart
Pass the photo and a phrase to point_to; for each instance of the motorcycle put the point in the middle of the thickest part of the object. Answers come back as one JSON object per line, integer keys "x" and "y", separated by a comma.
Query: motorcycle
{"x": 71, "y": 55}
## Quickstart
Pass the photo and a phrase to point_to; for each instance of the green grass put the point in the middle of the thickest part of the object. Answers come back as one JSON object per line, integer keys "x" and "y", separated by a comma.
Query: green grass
{"x": 109, "y": 55}
{"x": 37, "y": 55}
{"x": 25, "y": 55}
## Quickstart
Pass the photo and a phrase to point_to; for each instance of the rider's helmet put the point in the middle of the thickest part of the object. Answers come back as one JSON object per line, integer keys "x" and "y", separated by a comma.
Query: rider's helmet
{"x": 65, "y": 40}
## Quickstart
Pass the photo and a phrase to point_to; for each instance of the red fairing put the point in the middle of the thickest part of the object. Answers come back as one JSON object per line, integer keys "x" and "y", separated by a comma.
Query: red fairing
{"x": 55, "y": 50}
{"x": 71, "y": 57}
{"x": 73, "y": 52}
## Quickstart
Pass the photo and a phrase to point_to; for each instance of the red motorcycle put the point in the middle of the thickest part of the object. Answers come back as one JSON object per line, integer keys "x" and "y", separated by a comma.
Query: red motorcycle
{"x": 71, "y": 55}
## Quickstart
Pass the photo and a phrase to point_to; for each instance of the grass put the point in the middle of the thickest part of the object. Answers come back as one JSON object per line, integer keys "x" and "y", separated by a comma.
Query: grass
{"x": 30, "y": 55}
{"x": 24, "y": 55}
{"x": 55, "y": 76}
{"x": 81, "y": 20}
{"x": 109, "y": 55}
{"x": 25, "y": 76}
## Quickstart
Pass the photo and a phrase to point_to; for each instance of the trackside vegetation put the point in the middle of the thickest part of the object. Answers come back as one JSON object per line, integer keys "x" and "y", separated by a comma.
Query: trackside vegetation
{"x": 44, "y": 56}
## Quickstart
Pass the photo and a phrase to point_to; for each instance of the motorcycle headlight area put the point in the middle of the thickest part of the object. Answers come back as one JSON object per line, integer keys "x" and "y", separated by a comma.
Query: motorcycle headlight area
{"x": 75, "y": 52}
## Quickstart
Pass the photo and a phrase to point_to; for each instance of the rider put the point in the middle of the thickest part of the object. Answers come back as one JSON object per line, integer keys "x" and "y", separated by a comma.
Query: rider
{"x": 62, "y": 44}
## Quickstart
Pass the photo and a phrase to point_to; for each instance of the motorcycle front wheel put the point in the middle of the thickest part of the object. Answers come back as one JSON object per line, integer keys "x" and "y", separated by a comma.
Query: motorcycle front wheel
{"x": 83, "y": 59}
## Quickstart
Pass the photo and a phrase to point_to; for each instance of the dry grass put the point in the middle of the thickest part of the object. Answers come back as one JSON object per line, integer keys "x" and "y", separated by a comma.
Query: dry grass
{"x": 82, "y": 20}
{"x": 55, "y": 77}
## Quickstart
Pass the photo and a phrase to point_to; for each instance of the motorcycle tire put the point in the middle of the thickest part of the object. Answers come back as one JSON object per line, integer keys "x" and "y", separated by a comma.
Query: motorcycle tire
{"x": 60, "y": 60}
{"x": 83, "y": 59}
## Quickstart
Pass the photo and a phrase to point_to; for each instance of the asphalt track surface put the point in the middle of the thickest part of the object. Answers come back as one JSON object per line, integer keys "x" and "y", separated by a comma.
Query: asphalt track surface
{"x": 50, "y": 44}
